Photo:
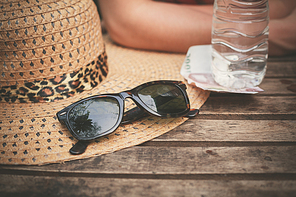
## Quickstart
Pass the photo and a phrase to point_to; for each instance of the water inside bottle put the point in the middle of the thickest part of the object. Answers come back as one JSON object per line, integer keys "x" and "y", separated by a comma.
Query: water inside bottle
{"x": 237, "y": 74}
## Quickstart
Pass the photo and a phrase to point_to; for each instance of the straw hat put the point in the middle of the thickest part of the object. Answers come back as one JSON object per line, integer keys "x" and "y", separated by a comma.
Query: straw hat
{"x": 53, "y": 54}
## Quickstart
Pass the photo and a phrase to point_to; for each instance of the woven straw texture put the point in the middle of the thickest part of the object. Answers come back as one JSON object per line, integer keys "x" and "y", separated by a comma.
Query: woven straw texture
{"x": 28, "y": 33}
{"x": 30, "y": 133}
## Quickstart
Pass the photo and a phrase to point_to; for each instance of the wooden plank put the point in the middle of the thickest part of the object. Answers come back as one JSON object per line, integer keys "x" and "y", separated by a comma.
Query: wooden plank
{"x": 231, "y": 104}
{"x": 281, "y": 69}
{"x": 238, "y": 131}
{"x": 278, "y": 86}
{"x": 288, "y": 58}
{"x": 81, "y": 186}
{"x": 178, "y": 160}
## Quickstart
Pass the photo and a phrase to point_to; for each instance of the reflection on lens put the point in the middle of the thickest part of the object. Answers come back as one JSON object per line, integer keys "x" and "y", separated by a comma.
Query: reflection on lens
{"x": 94, "y": 117}
{"x": 163, "y": 98}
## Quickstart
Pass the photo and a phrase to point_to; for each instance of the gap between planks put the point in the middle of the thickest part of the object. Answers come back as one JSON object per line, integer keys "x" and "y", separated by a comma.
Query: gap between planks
{"x": 217, "y": 116}
{"x": 228, "y": 176}
{"x": 162, "y": 143}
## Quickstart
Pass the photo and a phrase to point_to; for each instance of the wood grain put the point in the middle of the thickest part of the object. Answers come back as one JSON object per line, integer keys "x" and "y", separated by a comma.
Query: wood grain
{"x": 181, "y": 160}
{"x": 278, "y": 86}
{"x": 281, "y": 69}
{"x": 233, "y": 131}
{"x": 75, "y": 186}
{"x": 250, "y": 104}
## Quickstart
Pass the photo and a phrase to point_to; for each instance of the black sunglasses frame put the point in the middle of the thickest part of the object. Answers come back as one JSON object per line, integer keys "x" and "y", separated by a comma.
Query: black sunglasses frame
{"x": 63, "y": 115}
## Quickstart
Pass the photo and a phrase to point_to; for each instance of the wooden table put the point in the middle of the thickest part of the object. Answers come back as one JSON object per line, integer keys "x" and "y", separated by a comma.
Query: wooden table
{"x": 239, "y": 145}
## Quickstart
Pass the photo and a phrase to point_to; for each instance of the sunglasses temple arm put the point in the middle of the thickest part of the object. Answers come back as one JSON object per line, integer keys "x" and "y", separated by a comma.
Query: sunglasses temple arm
{"x": 137, "y": 113}
{"x": 133, "y": 114}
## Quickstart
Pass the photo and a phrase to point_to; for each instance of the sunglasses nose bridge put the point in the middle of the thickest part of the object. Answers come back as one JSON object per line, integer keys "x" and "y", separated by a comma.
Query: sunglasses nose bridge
{"x": 125, "y": 95}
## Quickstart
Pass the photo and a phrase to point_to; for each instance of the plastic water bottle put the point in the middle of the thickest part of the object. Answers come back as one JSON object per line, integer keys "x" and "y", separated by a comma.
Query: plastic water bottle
{"x": 240, "y": 42}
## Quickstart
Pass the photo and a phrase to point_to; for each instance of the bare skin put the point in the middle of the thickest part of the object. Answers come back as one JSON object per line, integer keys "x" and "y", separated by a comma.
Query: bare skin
{"x": 151, "y": 25}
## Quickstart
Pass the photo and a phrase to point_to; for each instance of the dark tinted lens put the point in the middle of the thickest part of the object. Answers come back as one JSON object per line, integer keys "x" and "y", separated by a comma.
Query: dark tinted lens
{"x": 94, "y": 117}
{"x": 163, "y": 98}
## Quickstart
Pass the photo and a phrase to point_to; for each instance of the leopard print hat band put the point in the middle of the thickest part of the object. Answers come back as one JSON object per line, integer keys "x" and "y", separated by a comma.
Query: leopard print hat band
{"x": 58, "y": 87}
{"x": 49, "y": 50}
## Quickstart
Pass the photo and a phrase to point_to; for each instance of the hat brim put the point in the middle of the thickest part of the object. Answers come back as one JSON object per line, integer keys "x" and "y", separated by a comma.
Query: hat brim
{"x": 30, "y": 134}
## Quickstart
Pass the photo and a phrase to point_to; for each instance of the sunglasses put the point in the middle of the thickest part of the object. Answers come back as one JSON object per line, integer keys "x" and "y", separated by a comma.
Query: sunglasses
{"x": 100, "y": 115}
